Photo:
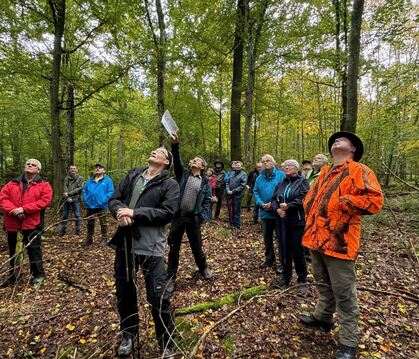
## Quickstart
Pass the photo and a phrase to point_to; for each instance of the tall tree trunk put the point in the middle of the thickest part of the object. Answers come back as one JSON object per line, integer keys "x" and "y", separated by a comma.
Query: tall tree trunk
{"x": 253, "y": 36}
{"x": 160, "y": 48}
{"x": 70, "y": 124}
{"x": 220, "y": 119}
{"x": 58, "y": 15}
{"x": 350, "y": 120}
{"x": 235, "y": 132}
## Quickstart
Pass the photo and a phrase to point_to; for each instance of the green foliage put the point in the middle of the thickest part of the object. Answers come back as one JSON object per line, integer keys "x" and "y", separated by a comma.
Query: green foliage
{"x": 110, "y": 61}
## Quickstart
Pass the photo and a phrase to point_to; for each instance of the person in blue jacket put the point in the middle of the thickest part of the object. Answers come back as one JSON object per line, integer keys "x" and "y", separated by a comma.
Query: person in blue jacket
{"x": 263, "y": 191}
{"x": 96, "y": 193}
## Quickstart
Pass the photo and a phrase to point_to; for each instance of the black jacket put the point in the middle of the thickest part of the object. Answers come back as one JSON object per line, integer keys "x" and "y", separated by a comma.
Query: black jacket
{"x": 155, "y": 207}
{"x": 292, "y": 191}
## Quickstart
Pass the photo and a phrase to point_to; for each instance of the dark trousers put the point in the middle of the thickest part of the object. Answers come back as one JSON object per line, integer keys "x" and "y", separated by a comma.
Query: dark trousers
{"x": 75, "y": 207}
{"x": 219, "y": 193}
{"x": 34, "y": 251}
{"x": 269, "y": 228}
{"x": 126, "y": 293}
{"x": 234, "y": 209}
{"x": 101, "y": 213}
{"x": 180, "y": 224}
{"x": 255, "y": 214}
{"x": 249, "y": 198}
{"x": 294, "y": 251}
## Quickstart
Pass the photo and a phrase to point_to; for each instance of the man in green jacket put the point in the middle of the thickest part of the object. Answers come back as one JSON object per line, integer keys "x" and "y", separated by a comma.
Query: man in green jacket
{"x": 73, "y": 185}
{"x": 318, "y": 162}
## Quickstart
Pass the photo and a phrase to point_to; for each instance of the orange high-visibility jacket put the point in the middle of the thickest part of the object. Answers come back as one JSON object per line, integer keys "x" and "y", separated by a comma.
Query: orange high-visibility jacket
{"x": 334, "y": 206}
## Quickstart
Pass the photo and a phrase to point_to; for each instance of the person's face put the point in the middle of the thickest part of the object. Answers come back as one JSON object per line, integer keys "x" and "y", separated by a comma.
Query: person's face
{"x": 209, "y": 173}
{"x": 159, "y": 157}
{"x": 259, "y": 167}
{"x": 218, "y": 166}
{"x": 318, "y": 161}
{"x": 99, "y": 170}
{"x": 197, "y": 163}
{"x": 72, "y": 170}
{"x": 237, "y": 166}
{"x": 290, "y": 170}
{"x": 343, "y": 144}
{"x": 307, "y": 167}
{"x": 31, "y": 167}
{"x": 268, "y": 164}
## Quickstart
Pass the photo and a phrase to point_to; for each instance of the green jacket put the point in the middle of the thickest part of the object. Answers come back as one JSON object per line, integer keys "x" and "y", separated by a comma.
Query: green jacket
{"x": 311, "y": 176}
{"x": 73, "y": 186}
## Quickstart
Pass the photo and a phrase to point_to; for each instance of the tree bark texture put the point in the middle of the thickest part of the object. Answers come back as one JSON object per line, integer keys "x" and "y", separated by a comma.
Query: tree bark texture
{"x": 58, "y": 15}
{"x": 350, "y": 120}
{"x": 235, "y": 132}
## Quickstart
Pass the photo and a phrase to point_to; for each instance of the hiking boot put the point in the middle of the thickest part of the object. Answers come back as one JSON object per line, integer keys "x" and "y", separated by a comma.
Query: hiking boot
{"x": 282, "y": 283}
{"x": 62, "y": 233}
{"x": 345, "y": 352}
{"x": 310, "y": 321}
{"x": 87, "y": 242}
{"x": 125, "y": 348}
{"x": 302, "y": 289}
{"x": 168, "y": 353}
{"x": 38, "y": 281}
{"x": 207, "y": 274}
{"x": 266, "y": 264}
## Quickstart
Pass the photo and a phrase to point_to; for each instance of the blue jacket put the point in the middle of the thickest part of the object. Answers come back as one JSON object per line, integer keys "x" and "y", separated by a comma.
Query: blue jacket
{"x": 236, "y": 182}
{"x": 264, "y": 190}
{"x": 97, "y": 194}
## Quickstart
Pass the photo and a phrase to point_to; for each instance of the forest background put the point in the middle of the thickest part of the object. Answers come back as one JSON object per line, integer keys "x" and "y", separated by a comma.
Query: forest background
{"x": 85, "y": 81}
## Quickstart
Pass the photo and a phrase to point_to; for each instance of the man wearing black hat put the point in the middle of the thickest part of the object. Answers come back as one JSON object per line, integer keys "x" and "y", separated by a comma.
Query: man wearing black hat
{"x": 334, "y": 205}
{"x": 143, "y": 204}
{"x": 96, "y": 193}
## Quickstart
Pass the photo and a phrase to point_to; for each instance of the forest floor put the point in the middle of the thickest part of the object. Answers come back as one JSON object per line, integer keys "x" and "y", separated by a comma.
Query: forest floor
{"x": 58, "y": 320}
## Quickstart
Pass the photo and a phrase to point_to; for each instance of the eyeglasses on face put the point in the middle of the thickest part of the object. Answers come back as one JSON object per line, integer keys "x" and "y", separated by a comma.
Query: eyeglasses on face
{"x": 31, "y": 165}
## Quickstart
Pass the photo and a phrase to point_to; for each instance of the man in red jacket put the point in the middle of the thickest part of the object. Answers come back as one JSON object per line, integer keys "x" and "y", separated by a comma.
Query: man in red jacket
{"x": 23, "y": 201}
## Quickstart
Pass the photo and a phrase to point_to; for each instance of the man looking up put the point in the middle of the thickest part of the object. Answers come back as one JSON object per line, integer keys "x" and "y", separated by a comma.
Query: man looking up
{"x": 143, "y": 204}
{"x": 194, "y": 203}
{"x": 334, "y": 205}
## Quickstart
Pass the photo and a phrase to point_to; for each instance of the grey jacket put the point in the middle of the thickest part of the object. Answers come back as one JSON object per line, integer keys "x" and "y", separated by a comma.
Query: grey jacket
{"x": 73, "y": 186}
{"x": 236, "y": 182}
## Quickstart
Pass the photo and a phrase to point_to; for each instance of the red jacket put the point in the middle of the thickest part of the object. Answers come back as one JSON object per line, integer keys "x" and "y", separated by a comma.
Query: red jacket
{"x": 37, "y": 197}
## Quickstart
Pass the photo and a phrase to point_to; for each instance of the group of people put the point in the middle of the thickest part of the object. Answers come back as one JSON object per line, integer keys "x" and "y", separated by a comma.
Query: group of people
{"x": 319, "y": 210}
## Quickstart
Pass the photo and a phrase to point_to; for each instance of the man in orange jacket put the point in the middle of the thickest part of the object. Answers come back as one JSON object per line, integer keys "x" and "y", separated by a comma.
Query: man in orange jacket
{"x": 334, "y": 205}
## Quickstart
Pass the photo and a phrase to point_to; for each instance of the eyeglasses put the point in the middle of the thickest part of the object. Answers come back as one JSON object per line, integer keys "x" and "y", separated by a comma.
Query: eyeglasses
{"x": 162, "y": 150}
{"x": 31, "y": 165}
{"x": 266, "y": 161}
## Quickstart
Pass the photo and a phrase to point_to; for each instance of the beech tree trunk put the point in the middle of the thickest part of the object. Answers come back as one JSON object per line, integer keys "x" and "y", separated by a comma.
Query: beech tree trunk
{"x": 350, "y": 120}
{"x": 58, "y": 15}
{"x": 235, "y": 132}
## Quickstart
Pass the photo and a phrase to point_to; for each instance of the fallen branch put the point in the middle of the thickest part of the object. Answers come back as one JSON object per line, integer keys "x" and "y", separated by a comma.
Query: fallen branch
{"x": 71, "y": 282}
{"x": 377, "y": 291}
{"x": 228, "y": 299}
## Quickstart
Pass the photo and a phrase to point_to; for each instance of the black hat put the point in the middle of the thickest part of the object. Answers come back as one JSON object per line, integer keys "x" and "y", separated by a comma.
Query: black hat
{"x": 99, "y": 165}
{"x": 220, "y": 162}
{"x": 306, "y": 161}
{"x": 356, "y": 141}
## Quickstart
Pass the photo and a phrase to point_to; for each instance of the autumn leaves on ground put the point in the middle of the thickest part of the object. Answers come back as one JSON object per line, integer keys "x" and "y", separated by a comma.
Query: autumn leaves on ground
{"x": 74, "y": 316}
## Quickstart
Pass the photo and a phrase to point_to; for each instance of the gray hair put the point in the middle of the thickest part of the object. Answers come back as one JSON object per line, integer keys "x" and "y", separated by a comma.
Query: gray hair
{"x": 38, "y": 164}
{"x": 292, "y": 163}
{"x": 323, "y": 156}
{"x": 268, "y": 156}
